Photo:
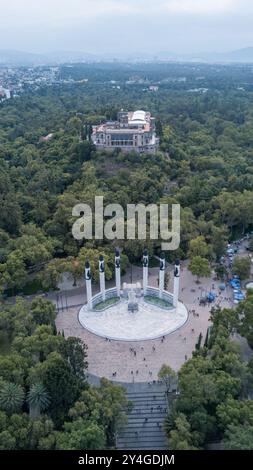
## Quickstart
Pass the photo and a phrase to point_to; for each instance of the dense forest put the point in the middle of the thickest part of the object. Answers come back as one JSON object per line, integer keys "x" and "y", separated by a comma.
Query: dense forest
{"x": 205, "y": 163}
{"x": 215, "y": 402}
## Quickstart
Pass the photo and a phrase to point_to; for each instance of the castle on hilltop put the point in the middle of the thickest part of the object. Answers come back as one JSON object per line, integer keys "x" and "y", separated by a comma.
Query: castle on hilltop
{"x": 133, "y": 130}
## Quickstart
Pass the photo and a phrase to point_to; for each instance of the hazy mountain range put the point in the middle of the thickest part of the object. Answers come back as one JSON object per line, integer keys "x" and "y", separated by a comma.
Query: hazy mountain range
{"x": 18, "y": 58}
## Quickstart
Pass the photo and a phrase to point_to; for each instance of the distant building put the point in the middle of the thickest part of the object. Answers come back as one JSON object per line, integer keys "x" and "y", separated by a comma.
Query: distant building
{"x": 46, "y": 138}
{"x": 132, "y": 131}
{"x": 198, "y": 90}
{"x": 153, "y": 88}
{"x": 5, "y": 93}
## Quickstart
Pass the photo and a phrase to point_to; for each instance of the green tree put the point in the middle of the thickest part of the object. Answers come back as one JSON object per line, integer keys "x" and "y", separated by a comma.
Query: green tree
{"x": 182, "y": 437}
{"x": 221, "y": 272}
{"x": 38, "y": 346}
{"x": 19, "y": 432}
{"x": 16, "y": 319}
{"x": 38, "y": 400}
{"x": 235, "y": 413}
{"x": 79, "y": 435}
{"x": 198, "y": 344}
{"x": 13, "y": 272}
{"x": 61, "y": 384}
{"x": 241, "y": 267}
{"x": 105, "y": 405}
{"x": 239, "y": 438}
{"x": 198, "y": 247}
{"x": 166, "y": 374}
{"x": 11, "y": 397}
{"x": 245, "y": 312}
{"x": 35, "y": 247}
{"x": 218, "y": 239}
{"x": 74, "y": 125}
{"x": 75, "y": 352}
{"x": 7, "y": 441}
{"x": 250, "y": 244}
{"x": 52, "y": 274}
{"x": 13, "y": 367}
{"x": 43, "y": 311}
{"x": 199, "y": 267}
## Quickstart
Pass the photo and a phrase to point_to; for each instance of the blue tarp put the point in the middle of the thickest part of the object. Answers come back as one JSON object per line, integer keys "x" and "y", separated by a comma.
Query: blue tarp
{"x": 239, "y": 296}
{"x": 235, "y": 283}
{"x": 211, "y": 296}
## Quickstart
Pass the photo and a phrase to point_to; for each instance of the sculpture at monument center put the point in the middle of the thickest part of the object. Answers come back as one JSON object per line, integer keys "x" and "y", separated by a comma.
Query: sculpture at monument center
{"x": 132, "y": 301}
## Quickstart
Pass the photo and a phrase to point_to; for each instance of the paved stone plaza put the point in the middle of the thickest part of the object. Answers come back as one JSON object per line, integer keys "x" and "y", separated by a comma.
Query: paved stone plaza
{"x": 149, "y": 322}
{"x": 139, "y": 361}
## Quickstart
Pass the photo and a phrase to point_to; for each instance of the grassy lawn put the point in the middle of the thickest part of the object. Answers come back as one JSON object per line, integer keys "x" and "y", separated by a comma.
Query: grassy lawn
{"x": 106, "y": 303}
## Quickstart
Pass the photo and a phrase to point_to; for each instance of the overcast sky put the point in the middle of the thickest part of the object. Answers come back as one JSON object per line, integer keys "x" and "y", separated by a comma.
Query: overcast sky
{"x": 113, "y": 26}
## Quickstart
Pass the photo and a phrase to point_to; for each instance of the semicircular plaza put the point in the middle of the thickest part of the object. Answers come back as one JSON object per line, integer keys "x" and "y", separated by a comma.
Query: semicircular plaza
{"x": 146, "y": 323}
{"x": 132, "y": 344}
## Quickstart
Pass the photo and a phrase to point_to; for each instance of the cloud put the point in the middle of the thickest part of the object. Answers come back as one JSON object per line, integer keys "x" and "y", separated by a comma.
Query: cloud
{"x": 93, "y": 8}
{"x": 131, "y": 25}
{"x": 68, "y": 8}
{"x": 59, "y": 11}
{"x": 199, "y": 6}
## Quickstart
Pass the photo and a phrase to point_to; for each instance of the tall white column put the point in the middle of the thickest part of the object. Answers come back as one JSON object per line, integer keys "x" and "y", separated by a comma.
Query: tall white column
{"x": 145, "y": 271}
{"x": 88, "y": 284}
{"x": 176, "y": 283}
{"x": 117, "y": 271}
{"x": 161, "y": 274}
{"x": 102, "y": 276}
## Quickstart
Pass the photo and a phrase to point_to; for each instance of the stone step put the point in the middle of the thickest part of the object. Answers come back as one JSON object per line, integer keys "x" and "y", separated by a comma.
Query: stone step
{"x": 147, "y": 398}
{"x": 145, "y": 420}
{"x": 141, "y": 419}
{"x": 149, "y": 444}
{"x": 147, "y": 437}
{"x": 145, "y": 434}
{"x": 151, "y": 418}
{"x": 143, "y": 391}
{"x": 140, "y": 448}
{"x": 148, "y": 431}
{"x": 151, "y": 437}
{"x": 151, "y": 393}
{"x": 148, "y": 402}
{"x": 148, "y": 407}
{"x": 160, "y": 440}
{"x": 141, "y": 414}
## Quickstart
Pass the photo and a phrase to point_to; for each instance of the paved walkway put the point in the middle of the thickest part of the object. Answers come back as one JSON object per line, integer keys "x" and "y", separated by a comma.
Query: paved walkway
{"x": 140, "y": 361}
